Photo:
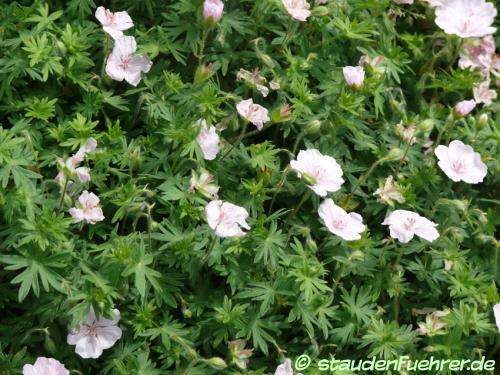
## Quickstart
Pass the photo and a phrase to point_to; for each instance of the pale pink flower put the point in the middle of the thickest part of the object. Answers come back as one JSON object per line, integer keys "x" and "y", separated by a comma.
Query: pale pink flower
{"x": 354, "y": 76}
{"x": 464, "y": 107}
{"x": 212, "y": 9}
{"x": 208, "y": 140}
{"x": 87, "y": 208}
{"x": 94, "y": 336}
{"x": 345, "y": 225}
{"x": 226, "y": 219}
{"x": 405, "y": 224}
{"x": 433, "y": 324}
{"x": 114, "y": 23}
{"x": 255, "y": 113}
{"x": 388, "y": 192}
{"x": 285, "y": 368}
{"x": 45, "y": 366}
{"x": 321, "y": 172}
{"x": 124, "y": 64}
{"x": 478, "y": 54}
{"x": 496, "y": 312}
{"x": 460, "y": 163}
{"x": 298, "y": 9}
{"x": 71, "y": 165}
{"x": 203, "y": 184}
{"x": 483, "y": 94}
{"x": 274, "y": 85}
{"x": 466, "y": 18}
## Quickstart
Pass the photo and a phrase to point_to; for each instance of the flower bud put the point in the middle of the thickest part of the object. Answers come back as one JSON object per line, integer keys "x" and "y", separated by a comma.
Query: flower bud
{"x": 203, "y": 72}
{"x": 217, "y": 363}
{"x": 313, "y": 127}
{"x": 394, "y": 154}
{"x": 463, "y": 108}
{"x": 212, "y": 11}
{"x": 482, "y": 121}
{"x": 426, "y": 126}
{"x": 354, "y": 76}
{"x": 281, "y": 114}
{"x": 319, "y": 11}
{"x": 267, "y": 60}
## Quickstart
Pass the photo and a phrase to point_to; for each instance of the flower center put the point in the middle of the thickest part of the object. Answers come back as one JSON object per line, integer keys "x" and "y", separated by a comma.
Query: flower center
{"x": 409, "y": 223}
{"x": 458, "y": 166}
{"x": 124, "y": 62}
{"x": 339, "y": 223}
{"x": 92, "y": 330}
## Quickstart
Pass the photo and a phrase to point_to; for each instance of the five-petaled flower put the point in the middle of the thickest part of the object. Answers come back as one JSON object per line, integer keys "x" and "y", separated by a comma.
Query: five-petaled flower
{"x": 255, "y": 113}
{"x": 226, "y": 219}
{"x": 87, "y": 208}
{"x": 208, "y": 140}
{"x": 345, "y": 225}
{"x": 321, "y": 172}
{"x": 298, "y": 9}
{"x": 466, "y": 18}
{"x": 125, "y": 64}
{"x": 95, "y": 335}
{"x": 460, "y": 163}
{"x": 354, "y": 76}
{"x": 403, "y": 225}
{"x": 45, "y": 366}
{"x": 114, "y": 23}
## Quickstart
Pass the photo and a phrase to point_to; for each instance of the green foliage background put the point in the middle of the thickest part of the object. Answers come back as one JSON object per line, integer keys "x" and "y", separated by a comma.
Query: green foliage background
{"x": 288, "y": 286}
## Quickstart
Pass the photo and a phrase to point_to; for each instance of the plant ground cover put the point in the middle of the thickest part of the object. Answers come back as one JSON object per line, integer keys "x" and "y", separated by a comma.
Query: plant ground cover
{"x": 198, "y": 187}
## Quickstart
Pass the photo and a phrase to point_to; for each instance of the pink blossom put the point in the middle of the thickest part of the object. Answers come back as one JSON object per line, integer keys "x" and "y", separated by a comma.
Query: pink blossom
{"x": 45, "y": 366}
{"x": 345, "y": 225}
{"x": 208, "y": 140}
{"x": 124, "y": 64}
{"x": 405, "y": 224}
{"x": 466, "y": 18}
{"x": 94, "y": 336}
{"x": 226, "y": 219}
{"x": 478, "y": 54}
{"x": 285, "y": 368}
{"x": 71, "y": 165}
{"x": 464, "y": 107}
{"x": 114, "y": 23}
{"x": 460, "y": 163}
{"x": 322, "y": 172}
{"x": 298, "y": 9}
{"x": 354, "y": 76}
{"x": 87, "y": 209}
{"x": 212, "y": 10}
{"x": 483, "y": 94}
{"x": 255, "y": 113}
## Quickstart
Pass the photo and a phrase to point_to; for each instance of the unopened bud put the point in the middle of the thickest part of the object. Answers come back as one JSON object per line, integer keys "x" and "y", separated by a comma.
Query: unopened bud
{"x": 482, "y": 121}
{"x": 267, "y": 60}
{"x": 394, "y": 154}
{"x": 281, "y": 114}
{"x": 319, "y": 11}
{"x": 217, "y": 363}
{"x": 313, "y": 127}
{"x": 426, "y": 126}
{"x": 203, "y": 73}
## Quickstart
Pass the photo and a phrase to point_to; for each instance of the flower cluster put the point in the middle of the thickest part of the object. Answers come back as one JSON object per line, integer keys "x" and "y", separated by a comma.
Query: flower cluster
{"x": 123, "y": 63}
